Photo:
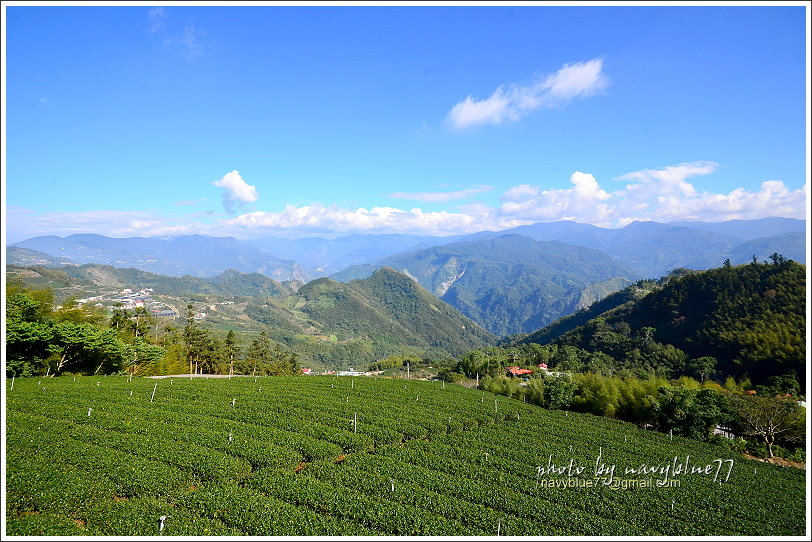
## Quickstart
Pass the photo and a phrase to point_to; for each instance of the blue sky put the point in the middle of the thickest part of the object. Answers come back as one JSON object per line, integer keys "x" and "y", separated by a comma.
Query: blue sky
{"x": 284, "y": 121}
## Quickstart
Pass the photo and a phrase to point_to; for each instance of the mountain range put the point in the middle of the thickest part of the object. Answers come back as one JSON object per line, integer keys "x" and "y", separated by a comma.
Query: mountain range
{"x": 509, "y": 283}
{"x": 322, "y": 257}
{"x": 195, "y": 255}
{"x": 329, "y": 323}
{"x": 391, "y": 308}
{"x": 228, "y": 283}
{"x": 513, "y": 281}
{"x": 26, "y": 256}
{"x": 334, "y": 324}
{"x": 651, "y": 249}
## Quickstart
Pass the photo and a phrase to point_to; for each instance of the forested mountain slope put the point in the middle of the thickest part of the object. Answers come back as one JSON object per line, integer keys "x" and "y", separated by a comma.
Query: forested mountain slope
{"x": 510, "y": 283}
{"x": 391, "y": 309}
{"x": 326, "y": 323}
{"x": 751, "y": 319}
{"x": 229, "y": 283}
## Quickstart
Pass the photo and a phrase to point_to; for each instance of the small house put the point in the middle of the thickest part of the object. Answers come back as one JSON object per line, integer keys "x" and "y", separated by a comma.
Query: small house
{"x": 723, "y": 431}
{"x": 516, "y": 371}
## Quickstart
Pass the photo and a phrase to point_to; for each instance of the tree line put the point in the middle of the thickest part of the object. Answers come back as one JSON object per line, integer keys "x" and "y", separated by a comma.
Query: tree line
{"x": 772, "y": 420}
{"x": 689, "y": 405}
{"x": 44, "y": 339}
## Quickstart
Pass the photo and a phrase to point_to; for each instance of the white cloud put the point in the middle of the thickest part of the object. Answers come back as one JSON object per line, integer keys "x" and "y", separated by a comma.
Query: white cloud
{"x": 520, "y": 192}
{"x": 587, "y": 188}
{"x": 24, "y": 223}
{"x": 434, "y": 197}
{"x": 669, "y": 180}
{"x": 512, "y": 102}
{"x": 493, "y": 110}
{"x": 192, "y": 41}
{"x": 531, "y": 203}
{"x": 236, "y": 192}
{"x": 661, "y": 195}
{"x": 579, "y": 80}
{"x": 318, "y": 218}
{"x": 191, "y": 201}
{"x": 772, "y": 199}
{"x": 157, "y": 19}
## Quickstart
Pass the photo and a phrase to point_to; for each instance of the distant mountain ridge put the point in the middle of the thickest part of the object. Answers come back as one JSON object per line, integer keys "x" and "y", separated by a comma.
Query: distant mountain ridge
{"x": 791, "y": 245}
{"x": 508, "y": 283}
{"x": 747, "y": 229}
{"x": 195, "y": 255}
{"x": 508, "y": 293}
{"x": 651, "y": 249}
{"x": 229, "y": 283}
{"x": 320, "y": 257}
{"x": 26, "y": 256}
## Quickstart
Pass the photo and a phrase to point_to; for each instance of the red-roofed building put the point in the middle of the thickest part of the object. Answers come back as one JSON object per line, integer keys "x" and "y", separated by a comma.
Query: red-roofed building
{"x": 542, "y": 365}
{"x": 515, "y": 371}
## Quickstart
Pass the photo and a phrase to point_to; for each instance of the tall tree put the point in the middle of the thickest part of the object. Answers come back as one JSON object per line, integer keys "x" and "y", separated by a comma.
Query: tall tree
{"x": 194, "y": 339}
{"x": 81, "y": 345}
{"x": 770, "y": 419}
{"x": 29, "y": 329}
{"x": 704, "y": 367}
{"x": 258, "y": 356}
{"x": 558, "y": 392}
{"x": 230, "y": 350}
{"x": 687, "y": 412}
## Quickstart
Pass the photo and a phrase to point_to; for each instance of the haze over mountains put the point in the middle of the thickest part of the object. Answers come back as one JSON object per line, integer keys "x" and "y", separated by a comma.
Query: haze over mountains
{"x": 512, "y": 281}
{"x": 652, "y": 249}
{"x": 648, "y": 247}
{"x": 327, "y": 256}
{"x": 195, "y": 255}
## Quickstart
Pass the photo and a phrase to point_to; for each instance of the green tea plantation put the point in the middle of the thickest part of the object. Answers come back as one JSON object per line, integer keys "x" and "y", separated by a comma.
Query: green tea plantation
{"x": 323, "y": 455}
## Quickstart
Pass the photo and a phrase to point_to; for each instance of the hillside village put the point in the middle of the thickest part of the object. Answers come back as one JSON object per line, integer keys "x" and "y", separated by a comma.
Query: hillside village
{"x": 132, "y": 299}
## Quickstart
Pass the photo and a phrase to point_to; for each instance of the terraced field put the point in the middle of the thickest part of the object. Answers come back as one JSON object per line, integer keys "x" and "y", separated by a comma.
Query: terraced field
{"x": 359, "y": 456}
